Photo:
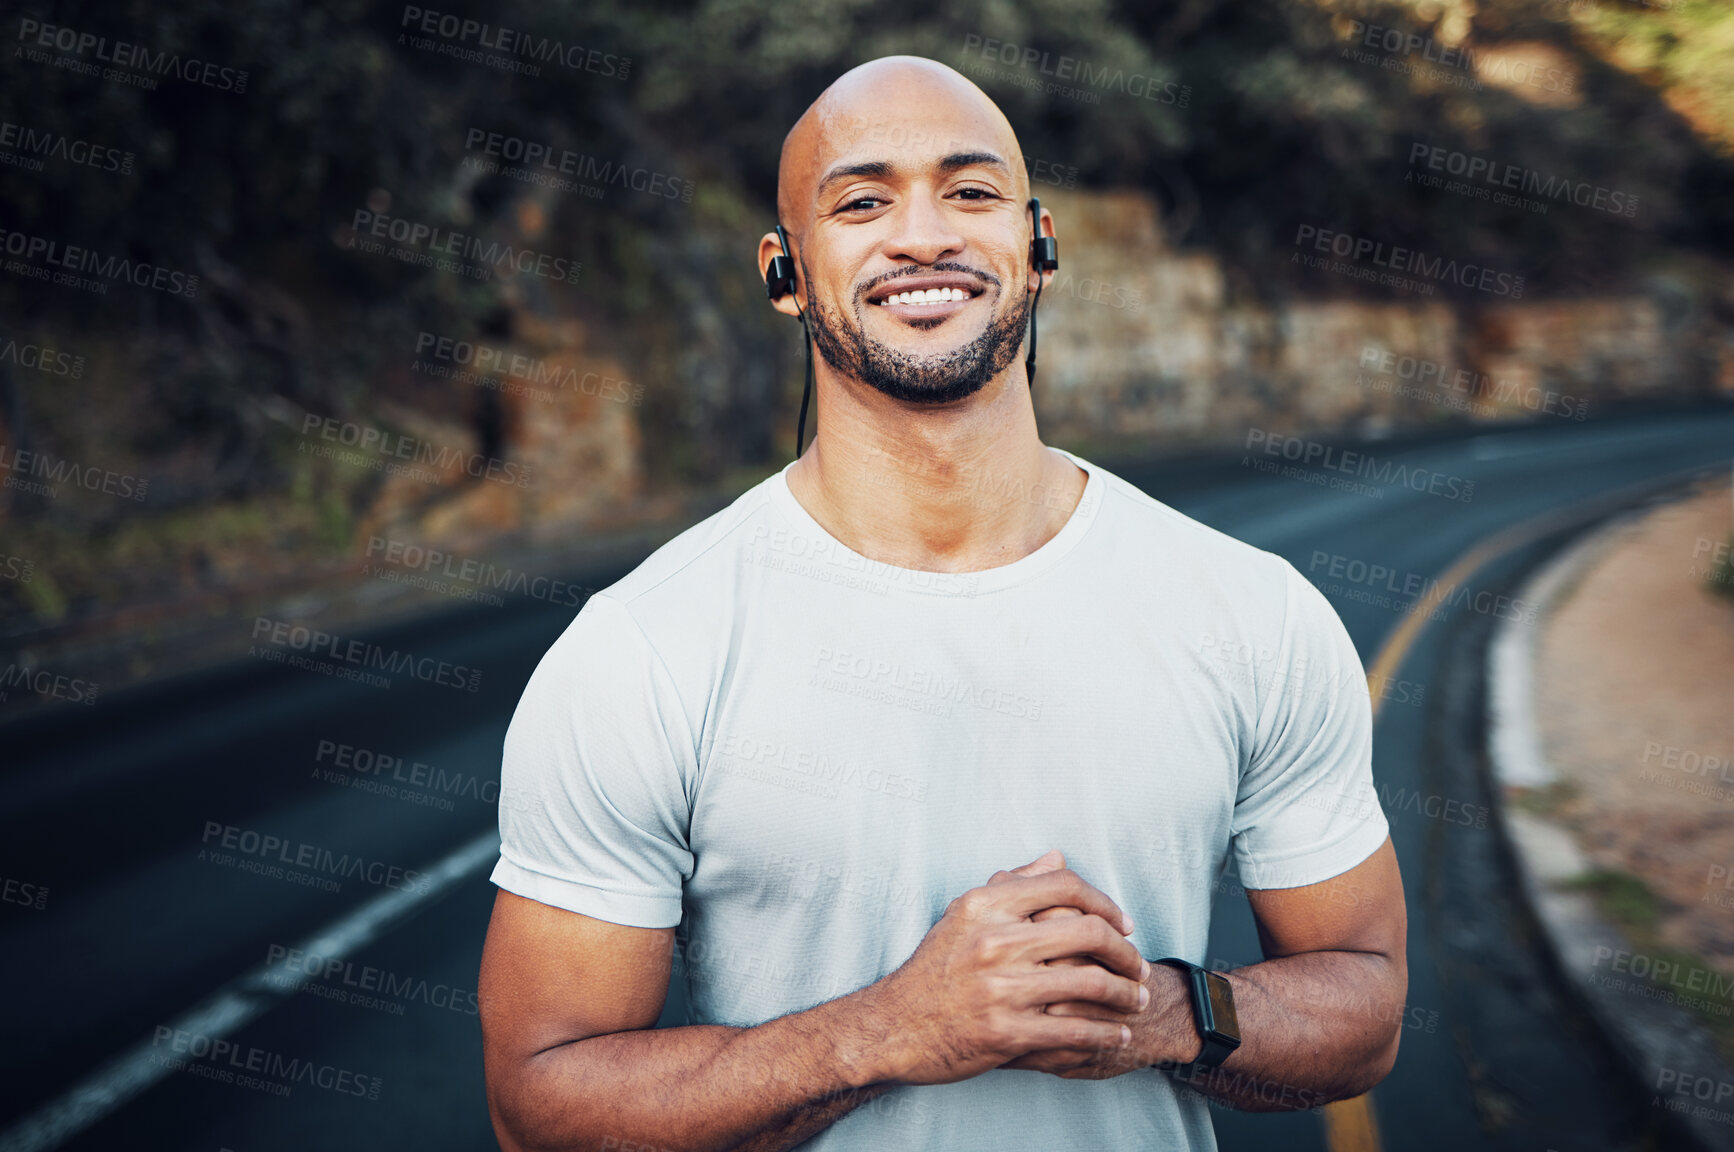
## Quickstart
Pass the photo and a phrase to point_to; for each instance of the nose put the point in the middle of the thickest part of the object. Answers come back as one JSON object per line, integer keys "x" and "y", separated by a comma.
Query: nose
{"x": 923, "y": 232}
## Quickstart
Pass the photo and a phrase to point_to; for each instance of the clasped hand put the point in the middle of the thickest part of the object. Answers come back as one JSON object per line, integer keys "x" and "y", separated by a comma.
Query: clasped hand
{"x": 1161, "y": 1028}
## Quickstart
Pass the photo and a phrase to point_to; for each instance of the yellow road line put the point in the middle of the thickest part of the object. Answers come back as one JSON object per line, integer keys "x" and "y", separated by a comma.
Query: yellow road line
{"x": 1397, "y": 644}
{"x": 1351, "y": 1125}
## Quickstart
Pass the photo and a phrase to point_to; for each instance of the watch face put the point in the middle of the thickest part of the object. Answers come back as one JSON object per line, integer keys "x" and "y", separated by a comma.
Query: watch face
{"x": 1222, "y": 1018}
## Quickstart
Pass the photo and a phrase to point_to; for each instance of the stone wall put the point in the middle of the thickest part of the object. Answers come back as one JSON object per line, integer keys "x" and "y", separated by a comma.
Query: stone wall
{"x": 1141, "y": 344}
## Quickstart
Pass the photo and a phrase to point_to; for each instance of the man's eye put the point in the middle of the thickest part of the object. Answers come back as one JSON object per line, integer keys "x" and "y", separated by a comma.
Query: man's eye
{"x": 853, "y": 205}
{"x": 980, "y": 193}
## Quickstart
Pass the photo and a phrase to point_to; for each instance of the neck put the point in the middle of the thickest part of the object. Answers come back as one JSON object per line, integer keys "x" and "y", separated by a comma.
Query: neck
{"x": 960, "y": 488}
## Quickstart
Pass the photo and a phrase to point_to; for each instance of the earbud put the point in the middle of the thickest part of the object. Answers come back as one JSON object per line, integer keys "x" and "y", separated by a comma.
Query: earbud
{"x": 780, "y": 282}
{"x": 1044, "y": 257}
{"x": 1044, "y": 250}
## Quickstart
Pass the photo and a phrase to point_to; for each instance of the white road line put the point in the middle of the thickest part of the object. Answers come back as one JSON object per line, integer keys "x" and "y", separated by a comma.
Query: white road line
{"x": 236, "y": 1005}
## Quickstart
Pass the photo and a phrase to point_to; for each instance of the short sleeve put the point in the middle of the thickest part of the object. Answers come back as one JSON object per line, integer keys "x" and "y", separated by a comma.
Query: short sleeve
{"x": 594, "y": 815}
{"x": 1306, "y": 809}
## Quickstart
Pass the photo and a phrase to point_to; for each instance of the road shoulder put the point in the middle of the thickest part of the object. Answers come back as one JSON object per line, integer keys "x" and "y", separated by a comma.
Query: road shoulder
{"x": 1548, "y": 789}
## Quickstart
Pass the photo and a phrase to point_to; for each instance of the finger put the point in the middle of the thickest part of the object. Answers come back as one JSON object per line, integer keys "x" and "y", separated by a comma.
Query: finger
{"x": 1056, "y": 911}
{"x": 1089, "y": 1037}
{"x": 1069, "y": 1062}
{"x": 1087, "y": 936}
{"x": 1051, "y": 1060}
{"x": 1049, "y": 861}
{"x": 1020, "y": 897}
{"x": 1085, "y": 1009}
{"x": 1052, "y": 984}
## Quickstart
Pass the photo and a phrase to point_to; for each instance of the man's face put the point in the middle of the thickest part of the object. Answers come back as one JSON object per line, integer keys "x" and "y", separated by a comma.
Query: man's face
{"x": 929, "y": 199}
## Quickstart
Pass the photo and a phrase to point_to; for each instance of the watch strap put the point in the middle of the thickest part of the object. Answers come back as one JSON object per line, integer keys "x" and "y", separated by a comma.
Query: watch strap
{"x": 1215, "y": 1050}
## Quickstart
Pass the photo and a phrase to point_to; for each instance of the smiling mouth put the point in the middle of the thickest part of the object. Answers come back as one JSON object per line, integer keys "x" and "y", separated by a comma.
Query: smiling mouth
{"x": 927, "y": 298}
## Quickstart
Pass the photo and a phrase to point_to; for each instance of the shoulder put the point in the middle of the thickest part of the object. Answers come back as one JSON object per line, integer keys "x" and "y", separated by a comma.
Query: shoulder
{"x": 672, "y": 609}
{"x": 1165, "y": 547}
{"x": 689, "y": 562}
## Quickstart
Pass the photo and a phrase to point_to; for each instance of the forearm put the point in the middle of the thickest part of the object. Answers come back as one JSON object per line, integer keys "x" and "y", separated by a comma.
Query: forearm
{"x": 696, "y": 1088}
{"x": 1315, "y": 1027}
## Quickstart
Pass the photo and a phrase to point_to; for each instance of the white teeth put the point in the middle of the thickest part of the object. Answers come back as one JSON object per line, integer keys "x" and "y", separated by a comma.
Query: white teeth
{"x": 928, "y": 296}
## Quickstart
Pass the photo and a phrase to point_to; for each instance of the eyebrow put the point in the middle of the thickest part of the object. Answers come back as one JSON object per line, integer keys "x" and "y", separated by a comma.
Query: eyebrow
{"x": 882, "y": 169}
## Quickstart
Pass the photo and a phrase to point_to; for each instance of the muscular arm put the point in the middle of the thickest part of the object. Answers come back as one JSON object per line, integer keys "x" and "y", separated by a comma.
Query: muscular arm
{"x": 568, "y": 1005}
{"x": 1320, "y": 1018}
{"x": 1323, "y": 1013}
{"x": 572, "y": 1060}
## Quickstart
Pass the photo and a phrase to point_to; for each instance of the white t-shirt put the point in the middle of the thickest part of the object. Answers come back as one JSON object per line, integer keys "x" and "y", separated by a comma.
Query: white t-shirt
{"x": 806, "y": 755}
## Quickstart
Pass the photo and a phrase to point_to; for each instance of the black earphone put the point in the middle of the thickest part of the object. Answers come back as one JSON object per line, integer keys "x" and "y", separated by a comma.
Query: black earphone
{"x": 780, "y": 282}
{"x": 1044, "y": 257}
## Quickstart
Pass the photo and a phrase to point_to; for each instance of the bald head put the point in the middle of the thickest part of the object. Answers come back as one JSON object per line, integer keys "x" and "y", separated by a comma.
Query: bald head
{"x": 902, "y": 110}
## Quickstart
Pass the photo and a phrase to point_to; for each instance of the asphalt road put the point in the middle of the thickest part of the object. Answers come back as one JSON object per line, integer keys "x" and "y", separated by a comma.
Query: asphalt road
{"x": 136, "y": 815}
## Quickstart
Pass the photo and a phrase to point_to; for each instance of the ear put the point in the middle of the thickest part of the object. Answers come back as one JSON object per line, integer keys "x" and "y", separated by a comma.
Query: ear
{"x": 769, "y": 247}
{"x": 1046, "y": 221}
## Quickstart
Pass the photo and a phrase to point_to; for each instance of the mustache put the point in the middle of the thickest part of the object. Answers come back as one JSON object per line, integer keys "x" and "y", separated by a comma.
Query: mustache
{"x": 927, "y": 270}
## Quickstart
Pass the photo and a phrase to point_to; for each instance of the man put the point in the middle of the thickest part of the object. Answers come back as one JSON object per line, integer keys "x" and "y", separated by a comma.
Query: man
{"x": 818, "y": 726}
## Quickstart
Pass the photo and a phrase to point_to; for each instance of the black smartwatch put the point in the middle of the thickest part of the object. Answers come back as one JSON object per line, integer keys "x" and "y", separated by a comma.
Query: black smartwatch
{"x": 1212, "y": 1009}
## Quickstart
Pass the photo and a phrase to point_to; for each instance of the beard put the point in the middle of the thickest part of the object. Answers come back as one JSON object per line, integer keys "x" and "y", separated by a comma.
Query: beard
{"x": 938, "y": 379}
